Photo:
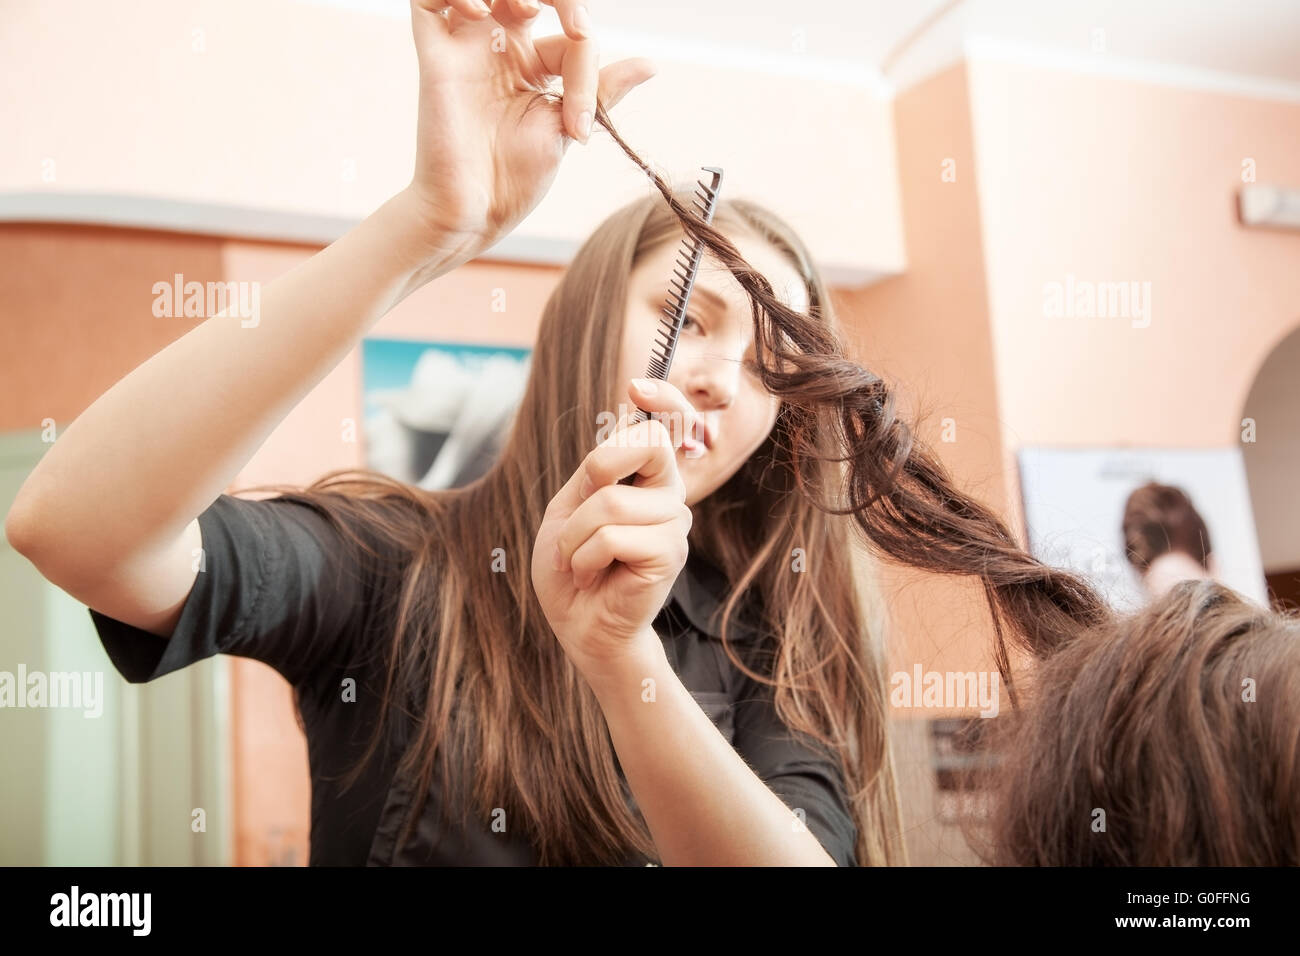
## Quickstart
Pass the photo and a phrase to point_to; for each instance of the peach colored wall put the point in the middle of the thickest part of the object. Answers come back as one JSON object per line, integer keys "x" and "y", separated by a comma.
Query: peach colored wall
{"x": 76, "y": 305}
{"x": 1107, "y": 179}
{"x": 927, "y": 332}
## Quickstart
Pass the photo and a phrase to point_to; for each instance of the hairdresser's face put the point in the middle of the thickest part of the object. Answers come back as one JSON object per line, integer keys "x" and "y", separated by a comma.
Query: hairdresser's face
{"x": 708, "y": 365}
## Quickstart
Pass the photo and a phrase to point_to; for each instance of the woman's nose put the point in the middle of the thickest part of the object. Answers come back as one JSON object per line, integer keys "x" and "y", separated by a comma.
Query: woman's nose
{"x": 712, "y": 375}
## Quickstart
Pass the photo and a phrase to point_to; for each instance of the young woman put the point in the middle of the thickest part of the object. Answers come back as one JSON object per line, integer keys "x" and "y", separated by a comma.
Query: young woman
{"x": 546, "y": 666}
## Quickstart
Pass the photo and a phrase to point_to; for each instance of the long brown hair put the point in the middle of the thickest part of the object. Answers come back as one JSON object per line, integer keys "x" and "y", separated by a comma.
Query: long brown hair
{"x": 1168, "y": 737}
{"x": 500, "y": 709}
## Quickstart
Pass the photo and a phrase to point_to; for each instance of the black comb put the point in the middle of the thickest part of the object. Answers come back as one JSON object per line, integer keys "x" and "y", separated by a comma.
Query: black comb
{"x": 687, "y": 266}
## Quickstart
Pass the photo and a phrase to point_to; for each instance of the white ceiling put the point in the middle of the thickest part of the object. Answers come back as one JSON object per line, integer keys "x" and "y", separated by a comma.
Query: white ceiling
{"x": 870, "y": 39}
{"x": 1248, "y": 39}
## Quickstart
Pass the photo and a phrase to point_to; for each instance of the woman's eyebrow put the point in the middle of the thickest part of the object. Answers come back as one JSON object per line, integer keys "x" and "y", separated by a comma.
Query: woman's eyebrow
{"x": 710, "y": 297}
{"x": 699, "y": 296}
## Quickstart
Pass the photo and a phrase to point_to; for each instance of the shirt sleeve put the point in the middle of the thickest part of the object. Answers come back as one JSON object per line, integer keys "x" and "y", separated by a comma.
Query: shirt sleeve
{"x": 795, "y": 767}
{"x": 278, "y": 584}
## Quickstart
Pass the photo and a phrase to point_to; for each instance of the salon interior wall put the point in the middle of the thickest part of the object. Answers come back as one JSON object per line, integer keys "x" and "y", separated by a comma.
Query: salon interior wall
{"x": 1161, "y": 165}
{"x": 1106, "y": 179}
{"x": 1013, "y": 176}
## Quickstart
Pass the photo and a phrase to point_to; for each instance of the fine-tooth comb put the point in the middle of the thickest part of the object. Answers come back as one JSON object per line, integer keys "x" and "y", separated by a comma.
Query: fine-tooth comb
{"x": 679, "y": 294}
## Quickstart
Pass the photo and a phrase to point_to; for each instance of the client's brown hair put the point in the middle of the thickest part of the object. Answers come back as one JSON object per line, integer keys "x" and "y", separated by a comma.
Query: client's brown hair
{"x": 1170, "y": 737}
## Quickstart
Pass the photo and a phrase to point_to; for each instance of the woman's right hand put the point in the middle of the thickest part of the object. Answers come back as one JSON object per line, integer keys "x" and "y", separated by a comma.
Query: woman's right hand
{"x": 606, "y": 554}
{"x": 487, "y": 146}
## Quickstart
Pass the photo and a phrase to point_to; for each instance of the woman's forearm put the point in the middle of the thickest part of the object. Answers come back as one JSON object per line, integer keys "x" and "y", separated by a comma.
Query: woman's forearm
{"x": 703, "y": 804}
{"x": 144, "y": 459}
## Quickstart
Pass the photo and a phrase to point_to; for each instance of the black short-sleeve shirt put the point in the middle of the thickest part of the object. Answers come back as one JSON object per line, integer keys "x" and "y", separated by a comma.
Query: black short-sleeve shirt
{"x": 280, "y": 584}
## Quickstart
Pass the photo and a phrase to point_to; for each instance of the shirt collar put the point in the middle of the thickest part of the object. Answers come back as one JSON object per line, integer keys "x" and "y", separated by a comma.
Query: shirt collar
{"x": 700, "y": 591}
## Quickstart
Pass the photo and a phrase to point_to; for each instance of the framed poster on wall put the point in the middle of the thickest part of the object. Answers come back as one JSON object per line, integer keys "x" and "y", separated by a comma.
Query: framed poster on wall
{"x": 1134, "y": 520}
{"x": 436, "y": 414}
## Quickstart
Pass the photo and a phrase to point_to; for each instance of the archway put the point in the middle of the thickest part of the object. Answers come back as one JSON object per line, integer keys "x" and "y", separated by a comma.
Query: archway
{"x": 1271, "y": 448}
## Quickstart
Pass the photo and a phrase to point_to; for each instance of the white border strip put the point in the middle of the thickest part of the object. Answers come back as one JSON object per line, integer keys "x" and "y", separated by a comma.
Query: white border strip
{"x": 122, "y": 211}
{"x": 1144, "y": 71}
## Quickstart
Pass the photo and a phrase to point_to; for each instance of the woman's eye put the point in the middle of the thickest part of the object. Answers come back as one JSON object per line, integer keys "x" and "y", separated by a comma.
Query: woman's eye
{"x": 690, "y": 318}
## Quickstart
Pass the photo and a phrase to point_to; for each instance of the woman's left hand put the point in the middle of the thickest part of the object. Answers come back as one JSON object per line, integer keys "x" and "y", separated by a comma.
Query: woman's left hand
{"x": 607, "y": 554}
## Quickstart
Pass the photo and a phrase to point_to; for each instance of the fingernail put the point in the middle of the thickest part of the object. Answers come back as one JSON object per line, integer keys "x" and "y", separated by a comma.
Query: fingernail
{"x": 581, "y": 21}
{"x": 584, "y": 125}
{"x": 483, "y": 7}
{"x": 557, "y": 559}
{"x": 645, "y": 386}
{"x": 585, "y": 490}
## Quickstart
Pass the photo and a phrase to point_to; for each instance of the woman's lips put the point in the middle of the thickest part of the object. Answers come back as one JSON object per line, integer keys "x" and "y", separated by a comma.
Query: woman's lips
{"x": 697, "y": 443}
{"x": 702, "y": 433}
